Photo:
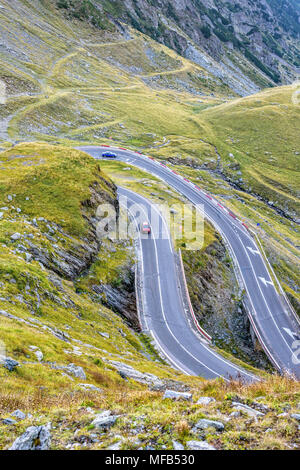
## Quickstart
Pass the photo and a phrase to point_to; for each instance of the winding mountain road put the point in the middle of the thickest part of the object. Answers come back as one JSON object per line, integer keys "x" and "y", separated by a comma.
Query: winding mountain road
{"x": 274, "y": 324}
{"x": 163, "y": 310}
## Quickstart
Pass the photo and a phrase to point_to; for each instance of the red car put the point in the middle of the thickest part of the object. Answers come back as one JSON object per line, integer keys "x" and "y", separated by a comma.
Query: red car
{"x": 146, "y": 228}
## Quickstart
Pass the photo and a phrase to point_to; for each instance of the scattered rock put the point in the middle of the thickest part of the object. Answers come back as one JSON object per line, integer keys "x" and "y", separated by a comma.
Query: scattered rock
{"x": 39, "y": 355}
{"x": 282, "y": 415}
{"x": 208, "y": 423}
{"x": 18, "y": 414}
{"x": 91, "y": 387}
{"x": 247, "y": 409}
{"x": 296, "y": 416}
{"x": 199, "y": 445}
{"x": 9, "y": 421}
{"x": 205, "y": 400}
{"x": 77, "y": 371}
{"x": 28, "y": 257}
{"x": 177, "y": 445}
{"x": 104, "y": 420}
{"x": 16, "y": 236}
{"x": 177, "y": 395}
{"x": 127, "y": 371}
{"x": 105, "y": 335}
{"x": 34, "y": 438}
{"x": 9, "y": 363}
{"x": 115, "y": 446}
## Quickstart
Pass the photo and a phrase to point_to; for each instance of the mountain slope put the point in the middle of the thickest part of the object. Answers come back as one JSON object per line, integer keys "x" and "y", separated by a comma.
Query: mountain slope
{"x": 260, "y": 40}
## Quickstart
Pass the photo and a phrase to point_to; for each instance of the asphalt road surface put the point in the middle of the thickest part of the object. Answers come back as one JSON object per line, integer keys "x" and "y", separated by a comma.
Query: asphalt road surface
{"x": 163, "y": 307}
{"x": 275, "y": 327}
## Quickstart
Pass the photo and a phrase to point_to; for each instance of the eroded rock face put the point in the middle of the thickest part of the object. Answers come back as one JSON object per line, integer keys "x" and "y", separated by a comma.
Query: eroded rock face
{"x": 121, "y": 299}
{"x": 77, "y": 258}
{"x": 34, "y": 438}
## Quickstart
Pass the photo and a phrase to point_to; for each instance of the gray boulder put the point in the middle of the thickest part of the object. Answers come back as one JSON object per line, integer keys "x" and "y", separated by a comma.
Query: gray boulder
{"x": 90, "y": 387}
{"x": 9, "y": 421}
{"x": 205, "y": 400}
{"x": 39, "y": 355}
{"x": 247, "y": 409}
{"x": 127, "y": 371}
{"x": 77, "y": 371}
{"x": 34, "y": 438}
{"x": 104, "y": 420}
{"x": 296, "y": 416}
{"x": 199, "y": 445}
{"x": 207, "y": 423}
{"x": 9, "y": 363}
{"x": 177, "y": 395}
{"x": 16, "y": 236}
{"x": 18, "y": 414}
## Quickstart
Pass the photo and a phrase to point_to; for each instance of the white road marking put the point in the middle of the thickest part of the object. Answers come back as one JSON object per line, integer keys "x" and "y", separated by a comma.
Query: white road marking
{"x": 290, "y": 333}
{"x": 254, "y": 252}
{"x": 266, "y": 303}
{"x": 265, "y": 281}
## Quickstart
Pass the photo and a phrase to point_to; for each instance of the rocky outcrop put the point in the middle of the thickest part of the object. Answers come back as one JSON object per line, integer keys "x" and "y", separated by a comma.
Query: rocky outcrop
{"x": 128, "y": 372}
{"x": 34, "y": 438}
{"x": 173, "y": 395}
{"x": 104, "y": 420}
{"x": 81, "y": 253}
{"x": 261, "y": 32}
{"x": 121, "y": 299}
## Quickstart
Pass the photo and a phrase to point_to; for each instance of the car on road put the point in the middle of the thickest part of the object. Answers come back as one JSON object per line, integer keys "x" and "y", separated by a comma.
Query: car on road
{"x": 145, "y": 228}
{"x": 109, "y": 155}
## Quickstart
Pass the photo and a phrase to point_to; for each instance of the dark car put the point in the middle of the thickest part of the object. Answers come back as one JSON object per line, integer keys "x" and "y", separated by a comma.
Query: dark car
{"x": 109, "y": 155}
